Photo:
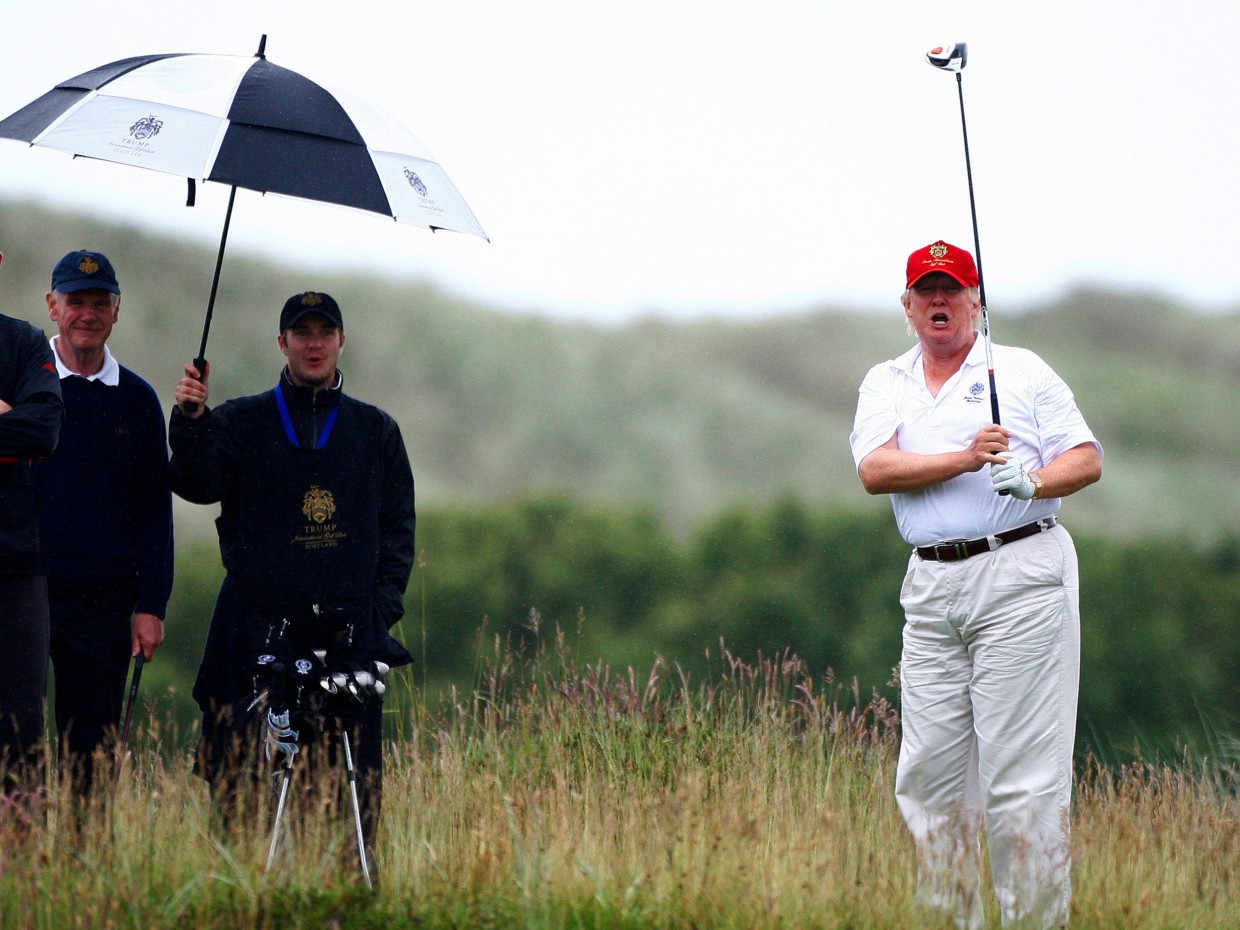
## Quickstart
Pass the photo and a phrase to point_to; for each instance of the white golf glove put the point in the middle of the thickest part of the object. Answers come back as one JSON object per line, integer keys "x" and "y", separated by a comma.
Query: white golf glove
{"x": 1011, "y": 477}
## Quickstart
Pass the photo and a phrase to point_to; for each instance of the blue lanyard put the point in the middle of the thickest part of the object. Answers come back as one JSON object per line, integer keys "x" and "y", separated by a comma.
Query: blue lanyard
{"x": 288, "y": 422}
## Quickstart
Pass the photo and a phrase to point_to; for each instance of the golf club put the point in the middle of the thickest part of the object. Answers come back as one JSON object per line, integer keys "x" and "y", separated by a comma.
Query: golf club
{"x": 138, "y": 661}
{"x": 953, "y": 58}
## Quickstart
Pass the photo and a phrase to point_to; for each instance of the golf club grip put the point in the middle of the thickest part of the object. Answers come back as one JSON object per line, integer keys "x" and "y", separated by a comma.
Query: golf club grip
{"x": 994, "y": 413}
{"x": 200, "y": 363}
{"x": 138, "y": 662}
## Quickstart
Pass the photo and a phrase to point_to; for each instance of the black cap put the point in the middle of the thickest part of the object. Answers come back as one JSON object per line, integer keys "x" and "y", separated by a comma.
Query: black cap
{"x": 81, "y": 270}
{"x": 300, "y": 305}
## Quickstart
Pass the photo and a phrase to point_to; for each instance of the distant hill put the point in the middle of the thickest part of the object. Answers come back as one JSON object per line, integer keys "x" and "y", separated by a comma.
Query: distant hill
{"x": 685, "y": 418}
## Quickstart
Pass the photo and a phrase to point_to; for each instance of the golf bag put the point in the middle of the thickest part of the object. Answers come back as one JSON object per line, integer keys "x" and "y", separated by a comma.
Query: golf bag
{"x": 314, "y": 672}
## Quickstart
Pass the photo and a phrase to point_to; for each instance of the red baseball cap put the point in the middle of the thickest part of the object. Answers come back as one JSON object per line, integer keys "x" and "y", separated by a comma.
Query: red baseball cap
{"x": 942, "y": 256}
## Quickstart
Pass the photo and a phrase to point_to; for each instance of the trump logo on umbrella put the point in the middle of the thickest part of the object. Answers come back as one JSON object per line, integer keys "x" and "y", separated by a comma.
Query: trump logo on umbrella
{"x": 415, "y": 182}
{"x": 146, "y": 127}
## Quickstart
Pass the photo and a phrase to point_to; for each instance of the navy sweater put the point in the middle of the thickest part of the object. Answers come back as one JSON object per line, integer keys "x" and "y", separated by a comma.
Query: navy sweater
{"x": 28, "y": 383}
{"x": 107, "y": 508}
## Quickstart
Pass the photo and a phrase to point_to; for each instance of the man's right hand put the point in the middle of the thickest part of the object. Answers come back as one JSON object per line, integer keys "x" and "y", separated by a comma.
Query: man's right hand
{"x": 192, "y": 390}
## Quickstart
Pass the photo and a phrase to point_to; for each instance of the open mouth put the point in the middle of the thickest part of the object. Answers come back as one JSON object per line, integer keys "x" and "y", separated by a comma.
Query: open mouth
{"x": 939, "y": 319}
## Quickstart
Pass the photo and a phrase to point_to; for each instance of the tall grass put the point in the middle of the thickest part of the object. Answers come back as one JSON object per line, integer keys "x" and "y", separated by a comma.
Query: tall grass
{"x": 565, "y": 795}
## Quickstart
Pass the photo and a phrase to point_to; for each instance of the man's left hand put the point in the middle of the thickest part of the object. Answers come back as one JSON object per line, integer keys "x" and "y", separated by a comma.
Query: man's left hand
{"x": 1011, "y": 477}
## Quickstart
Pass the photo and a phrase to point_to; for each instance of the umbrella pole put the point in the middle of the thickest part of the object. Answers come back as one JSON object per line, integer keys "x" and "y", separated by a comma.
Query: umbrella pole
{"x": 201, "y": 359}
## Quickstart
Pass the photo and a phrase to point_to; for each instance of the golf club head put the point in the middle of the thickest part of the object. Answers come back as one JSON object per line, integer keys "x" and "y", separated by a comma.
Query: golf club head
{"x": 949, "y": 57}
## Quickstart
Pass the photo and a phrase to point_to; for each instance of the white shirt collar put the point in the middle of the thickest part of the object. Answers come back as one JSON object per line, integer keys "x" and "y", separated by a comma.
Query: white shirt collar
{"x": 910, "y": 360}
{"x": 109, "y": 374}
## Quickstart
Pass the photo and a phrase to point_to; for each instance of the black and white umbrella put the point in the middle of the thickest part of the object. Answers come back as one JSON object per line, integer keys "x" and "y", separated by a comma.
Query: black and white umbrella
{"x": 247, "y": 123}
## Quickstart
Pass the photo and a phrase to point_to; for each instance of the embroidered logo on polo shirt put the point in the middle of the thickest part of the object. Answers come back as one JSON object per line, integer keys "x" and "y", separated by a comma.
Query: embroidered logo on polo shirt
{"x": 976, "y": 393}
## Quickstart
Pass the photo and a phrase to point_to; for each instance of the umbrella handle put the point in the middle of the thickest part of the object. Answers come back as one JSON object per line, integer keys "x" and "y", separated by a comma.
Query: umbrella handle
{"x": 201, "y": 364}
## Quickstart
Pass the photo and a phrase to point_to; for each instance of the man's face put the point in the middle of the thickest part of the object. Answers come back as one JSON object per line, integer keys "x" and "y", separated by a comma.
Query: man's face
{"x": 84, "y": 318}
{"x": 942, "y": 311}
{"x": 312, "y": 347}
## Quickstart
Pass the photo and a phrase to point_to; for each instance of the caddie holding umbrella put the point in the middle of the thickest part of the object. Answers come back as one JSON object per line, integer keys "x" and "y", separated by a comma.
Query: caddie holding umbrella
{"x": 991, "y": 658}
{"x": 316, "y": 531}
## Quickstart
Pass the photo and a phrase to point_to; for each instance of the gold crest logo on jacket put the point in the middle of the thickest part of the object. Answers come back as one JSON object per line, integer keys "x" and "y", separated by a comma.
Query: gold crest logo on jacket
{"x": 319, "y": 531}
{"x": 318, "y": 504}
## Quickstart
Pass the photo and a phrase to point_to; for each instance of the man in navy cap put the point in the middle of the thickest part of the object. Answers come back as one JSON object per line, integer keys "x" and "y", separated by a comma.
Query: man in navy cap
{"x": 107, "y": 514}
{"x": 30, "y": 418}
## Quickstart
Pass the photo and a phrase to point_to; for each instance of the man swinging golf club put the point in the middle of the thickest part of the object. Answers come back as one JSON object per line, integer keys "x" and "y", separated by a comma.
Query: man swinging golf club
{"x": 316, "y": 532}
{"x": 988, "y": 674}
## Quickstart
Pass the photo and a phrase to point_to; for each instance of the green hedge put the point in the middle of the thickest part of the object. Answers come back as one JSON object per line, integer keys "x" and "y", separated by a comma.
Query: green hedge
{"x": 1161, "y": 620}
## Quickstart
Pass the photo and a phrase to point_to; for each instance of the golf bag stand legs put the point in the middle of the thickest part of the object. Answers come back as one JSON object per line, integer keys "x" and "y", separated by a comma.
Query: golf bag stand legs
{"x": 285, "y": 774}
{"x": 357, "y": 811}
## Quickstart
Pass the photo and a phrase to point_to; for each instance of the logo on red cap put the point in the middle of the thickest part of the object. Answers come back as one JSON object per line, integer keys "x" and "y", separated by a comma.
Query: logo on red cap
{"x": 942, "y": 257}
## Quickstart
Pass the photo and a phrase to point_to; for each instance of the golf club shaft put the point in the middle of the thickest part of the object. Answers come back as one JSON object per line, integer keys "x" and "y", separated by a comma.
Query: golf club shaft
{"x": 138, "y": 661}
{"x": 977, "y": 253}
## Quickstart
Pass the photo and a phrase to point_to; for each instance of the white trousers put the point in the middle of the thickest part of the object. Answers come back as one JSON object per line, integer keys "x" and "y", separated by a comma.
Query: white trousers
{"x": 988, "y": 680}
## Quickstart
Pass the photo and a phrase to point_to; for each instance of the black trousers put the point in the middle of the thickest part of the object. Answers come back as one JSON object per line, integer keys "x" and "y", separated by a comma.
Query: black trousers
{"x": 92, "y": 638}
{"x": 23, "y": 669}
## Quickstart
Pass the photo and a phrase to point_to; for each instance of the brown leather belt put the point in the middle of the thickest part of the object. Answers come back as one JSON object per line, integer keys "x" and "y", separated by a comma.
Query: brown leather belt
{"x": 965, "y": 548}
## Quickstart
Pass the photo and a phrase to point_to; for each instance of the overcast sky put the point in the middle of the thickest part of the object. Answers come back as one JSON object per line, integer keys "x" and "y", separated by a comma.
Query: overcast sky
{"x": 724, "y": 157}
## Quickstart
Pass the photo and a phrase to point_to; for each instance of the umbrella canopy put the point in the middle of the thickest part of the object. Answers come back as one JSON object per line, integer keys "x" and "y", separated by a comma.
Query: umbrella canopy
{"x": 247, "y": 123}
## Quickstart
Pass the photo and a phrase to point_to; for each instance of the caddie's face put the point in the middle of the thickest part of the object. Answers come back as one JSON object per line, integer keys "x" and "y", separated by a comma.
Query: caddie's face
{"x": 312, "y": 348}
{"x": 942, "y": 311}
{"x": 85, "y": 318}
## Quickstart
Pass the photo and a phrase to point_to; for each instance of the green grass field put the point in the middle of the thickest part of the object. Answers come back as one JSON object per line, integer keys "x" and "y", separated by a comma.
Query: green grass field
{"x": 561, "y": 796}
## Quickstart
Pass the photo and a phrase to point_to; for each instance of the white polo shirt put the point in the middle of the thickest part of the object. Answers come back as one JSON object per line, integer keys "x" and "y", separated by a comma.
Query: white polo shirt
{"x": 1034, "y": 403}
